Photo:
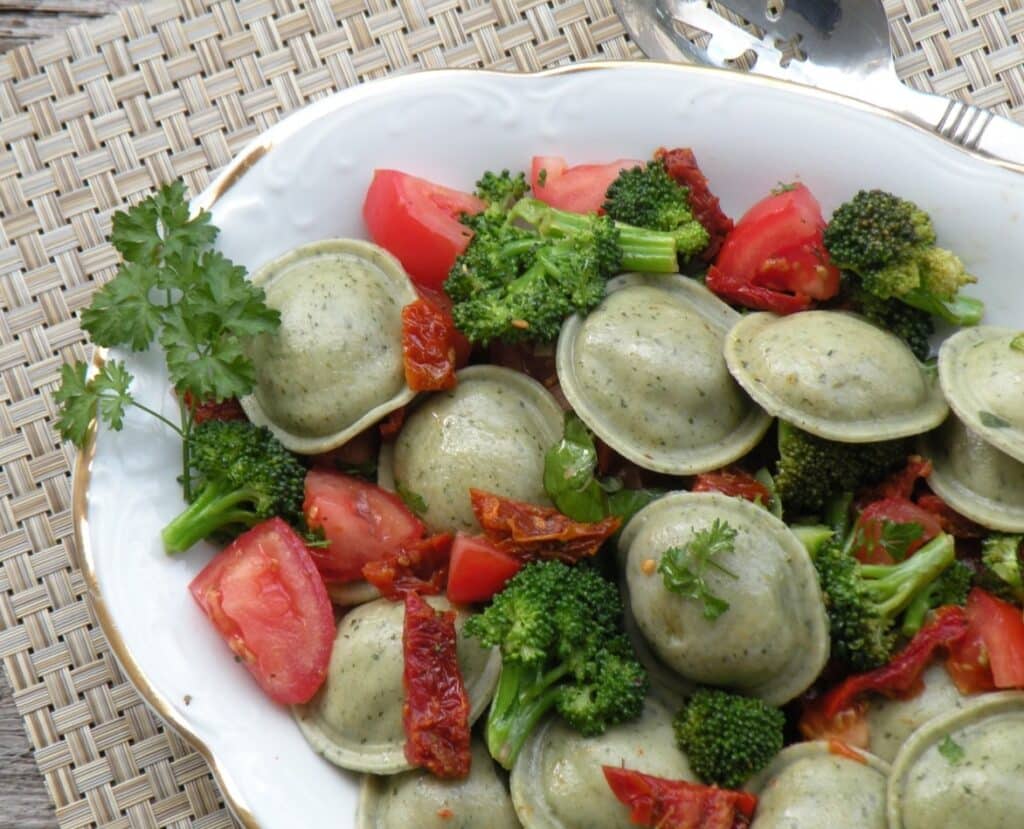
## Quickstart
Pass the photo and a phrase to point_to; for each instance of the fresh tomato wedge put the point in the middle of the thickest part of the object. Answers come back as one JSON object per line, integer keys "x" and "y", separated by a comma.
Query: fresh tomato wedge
{"x": 417, "y": 221}
{"x": 1001, "y": 627}
{"x": 360, "y": 521}
{"x": 579, "y": 189}
{"x": 871, "y": 525}
{"x": 478, "y": 569}
{"x": 968, "y": 665}
{"x": 899, "y": 484}
{"x": 264, "y": 595}
{"x": 777, "y": 248}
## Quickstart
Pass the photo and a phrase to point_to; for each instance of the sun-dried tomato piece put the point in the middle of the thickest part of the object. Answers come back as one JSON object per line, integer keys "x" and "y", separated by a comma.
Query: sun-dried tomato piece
{"x": 422, "y": 567}
{"x": 428, "y": 346}
{"x": 436, "y": 709}
{"x": 957, "y": 525}
{"x": 902, "y": 674}
{"x": 734, "y": 482}
{"x": 534, "y": 532}
{"x": 900, "y": 484}
{"x": 841, "y": 749}
{"x": 678, "y": 804}
{"x": 204, "y": 410}
{"x": 681, "y": 165}
{"x": 739, "y": 291}
{"x": 392, "y": 424}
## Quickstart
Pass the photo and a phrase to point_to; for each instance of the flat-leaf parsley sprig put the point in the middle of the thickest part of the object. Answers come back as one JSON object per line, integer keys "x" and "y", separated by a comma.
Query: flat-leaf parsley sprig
{"x": 683, "y": 568}
{"x": 173, "y": 288}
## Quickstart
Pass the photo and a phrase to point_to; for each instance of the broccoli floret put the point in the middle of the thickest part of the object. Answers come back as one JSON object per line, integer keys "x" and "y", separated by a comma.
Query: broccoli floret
{"x": 530, "y": 266}
{"x": 242, "y": 475}
{"x": 649, "y": 197}
{"x": 1002, "y": 571}
{"x": 562, "y": 648}
{"x": 502, "y": 190}
{"x": 912, "y": 325}
{"x": 864, "y": 601}
{"x": 810, "y": 469}
{"x": 950, "y": 588}
{"x": 889, "y": 244}
{"x": 728, "y": 738}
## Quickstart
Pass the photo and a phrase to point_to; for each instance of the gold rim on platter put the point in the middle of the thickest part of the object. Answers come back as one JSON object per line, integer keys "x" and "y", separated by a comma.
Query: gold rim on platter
{"x": 224, "y": 181}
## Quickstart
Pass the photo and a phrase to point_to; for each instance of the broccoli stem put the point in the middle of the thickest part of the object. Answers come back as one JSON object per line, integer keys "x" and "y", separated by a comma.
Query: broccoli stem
{"x": 960, "y": 310}
{"x": 212, "y": 509}
{"x": 894, "y": 587}
{"x": 523, "y": 697}
{"x": 647, "y": 251}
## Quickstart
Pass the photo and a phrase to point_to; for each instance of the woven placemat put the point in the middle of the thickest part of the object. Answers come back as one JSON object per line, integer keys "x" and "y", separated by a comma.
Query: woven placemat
{"x": 104, "y": 113}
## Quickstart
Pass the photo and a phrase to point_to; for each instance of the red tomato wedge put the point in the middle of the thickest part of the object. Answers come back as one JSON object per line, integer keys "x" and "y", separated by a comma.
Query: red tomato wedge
{"x": 264, "y": 595}
{"x": 417, "y": 221}
{"x": 478, "y": 569}
{"x": 897, "y": 511}
{"x": 361, "y": 522}
{"x": 774, "y": 258}
{"x": 968, "y": 665}
{"x": 579, "y": 189}
{"x": 1001, "y": 627}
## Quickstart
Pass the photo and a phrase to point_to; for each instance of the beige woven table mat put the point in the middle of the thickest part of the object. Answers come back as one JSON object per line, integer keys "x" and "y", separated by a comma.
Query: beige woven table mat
{"x": 102, "y": 114}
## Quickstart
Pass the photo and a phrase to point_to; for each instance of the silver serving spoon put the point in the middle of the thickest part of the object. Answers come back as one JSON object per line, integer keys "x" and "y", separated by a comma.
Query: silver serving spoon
{"x": 842, "y": 46}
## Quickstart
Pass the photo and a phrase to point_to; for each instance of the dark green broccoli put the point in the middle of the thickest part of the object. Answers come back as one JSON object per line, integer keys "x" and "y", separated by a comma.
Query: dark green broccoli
{"x": 242, "y": 475}
{"x": 811, "y": 470}
{"x": 1002, "y": 571}
{"x": 562, "y": 648}
{"x": 912, "y": 325}
{"x": 728, "y": 738}
{"x": 864, "y": 601}
{"x": 951, "y": 587}
{"x": 649, "y": 197}
{"x": 889, "y": 244}
{"x": 529, "y": 266}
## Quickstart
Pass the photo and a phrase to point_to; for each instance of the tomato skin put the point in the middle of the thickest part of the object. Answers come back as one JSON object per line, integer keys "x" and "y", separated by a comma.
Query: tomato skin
{"x": 968, "y": 665}
{"x": 417, "y": 221}
{"x": 897, "y": 511}
{"x": 361, "y": 522}
{"x": 478, "y": 569}
{"x": 1001, "y": 627}
{"x": 578, "y": 189}
{"x": 777, "y": 247}
{"x": 265, "y": 597}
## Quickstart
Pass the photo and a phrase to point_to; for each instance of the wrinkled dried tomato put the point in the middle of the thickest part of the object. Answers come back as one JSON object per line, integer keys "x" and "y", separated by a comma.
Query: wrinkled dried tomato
{"x": 681, "y": 165}
{"x": 738, "y": 291}
{"x": 428, "y": 346}
{"x": 734, "y": 482}
{"x": 392, "y": 424}
{"x": 678, "y": 804}
{"x": 849, "y": 726}
{"x": 903, "y": 673}
{"x": 900, "y": 484}
{"x": 957, "y": 525}
{"x": 204, "y": 410}
{"x": 420, "y": 568}
{"x": 436, "y": 709}
{"x": 534, "y": 532}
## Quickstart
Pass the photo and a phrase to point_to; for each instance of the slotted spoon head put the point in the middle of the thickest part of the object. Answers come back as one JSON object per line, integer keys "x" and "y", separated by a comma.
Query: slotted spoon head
{"x": 838, "y": 42}
{"x": 851, "y": 34}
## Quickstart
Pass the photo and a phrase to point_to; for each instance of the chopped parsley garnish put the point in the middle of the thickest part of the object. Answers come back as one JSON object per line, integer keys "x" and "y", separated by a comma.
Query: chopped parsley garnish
{"x": 683, "y": 569}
